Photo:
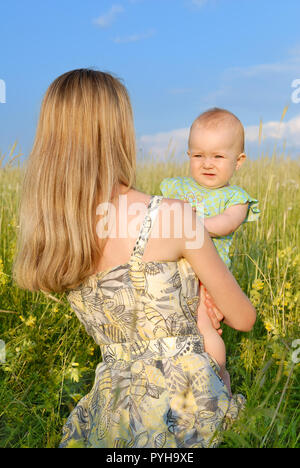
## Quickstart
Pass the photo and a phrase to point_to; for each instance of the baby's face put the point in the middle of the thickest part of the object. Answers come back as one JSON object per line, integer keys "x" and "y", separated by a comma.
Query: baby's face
{"x": 214, "y": 155}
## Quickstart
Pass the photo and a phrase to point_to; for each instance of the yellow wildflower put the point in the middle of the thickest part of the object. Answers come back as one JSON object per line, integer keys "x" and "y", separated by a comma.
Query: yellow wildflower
{"x": 268, "y": 326}
{"x": 257, "y": 284}
{"x": 3, "y": 276}
{"x": 296, "y": 260}
{"x": 277, "y": 301}
{"x": 31, "y": 321}
{"x": 255, "y": 297}
{"x": 73, "y": 372}
{"x": 55, "y": 309}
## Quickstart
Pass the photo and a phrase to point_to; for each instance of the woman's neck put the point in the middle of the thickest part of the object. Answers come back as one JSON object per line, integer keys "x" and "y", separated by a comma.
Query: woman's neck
{"x": 120, "y": 189}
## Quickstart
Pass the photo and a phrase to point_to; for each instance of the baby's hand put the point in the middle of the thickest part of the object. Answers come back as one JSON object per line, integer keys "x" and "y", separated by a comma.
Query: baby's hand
{"x": 227, "y": 222}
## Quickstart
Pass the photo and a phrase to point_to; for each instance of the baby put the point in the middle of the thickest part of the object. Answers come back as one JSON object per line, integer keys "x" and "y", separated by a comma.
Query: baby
{"x": 216, "y": 151}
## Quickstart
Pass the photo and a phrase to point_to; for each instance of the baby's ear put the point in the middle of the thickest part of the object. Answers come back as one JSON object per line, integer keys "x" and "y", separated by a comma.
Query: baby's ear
{"x": 240, "y": 160}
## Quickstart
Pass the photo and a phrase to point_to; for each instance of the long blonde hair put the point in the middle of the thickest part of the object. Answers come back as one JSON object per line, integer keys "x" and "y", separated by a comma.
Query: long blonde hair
{"x": 84, "y": 147}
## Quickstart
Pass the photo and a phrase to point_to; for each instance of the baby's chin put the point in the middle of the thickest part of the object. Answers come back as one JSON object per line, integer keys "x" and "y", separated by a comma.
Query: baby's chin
{"x": 211, "y": 185}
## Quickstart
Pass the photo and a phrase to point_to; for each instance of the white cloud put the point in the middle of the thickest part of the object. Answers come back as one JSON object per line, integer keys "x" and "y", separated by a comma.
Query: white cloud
{"x": 257, "y": 86}
{"x": 289, "y": 131}
{"x": 134, "y": 37}
{"x": 105, "y": 20}
{"x": 290, "y": 64}
{"x": 257, "y": 70}
{"x": 164, "y": 143}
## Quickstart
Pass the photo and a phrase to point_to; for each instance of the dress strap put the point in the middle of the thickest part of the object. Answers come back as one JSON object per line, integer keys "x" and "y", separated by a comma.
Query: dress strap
{"x": 152, "y": 211}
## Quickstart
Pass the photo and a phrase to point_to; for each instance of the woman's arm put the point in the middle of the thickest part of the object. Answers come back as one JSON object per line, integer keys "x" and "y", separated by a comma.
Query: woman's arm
{"x": 228, "y": 297}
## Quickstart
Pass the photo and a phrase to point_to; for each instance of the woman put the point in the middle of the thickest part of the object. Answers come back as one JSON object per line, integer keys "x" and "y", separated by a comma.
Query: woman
{"x": 137, "y": 295}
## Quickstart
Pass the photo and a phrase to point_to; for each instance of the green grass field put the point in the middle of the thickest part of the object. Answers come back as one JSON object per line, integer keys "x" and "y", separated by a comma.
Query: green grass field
{"x": 50, "y": 360}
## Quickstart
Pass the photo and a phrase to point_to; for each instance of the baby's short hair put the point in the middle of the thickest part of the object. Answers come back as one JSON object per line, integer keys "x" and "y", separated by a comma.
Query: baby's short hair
{"x": 217, "y": 116}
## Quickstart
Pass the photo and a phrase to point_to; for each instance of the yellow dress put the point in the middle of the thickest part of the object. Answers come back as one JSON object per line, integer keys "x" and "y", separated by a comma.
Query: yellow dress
{"x": 156, "y": 387}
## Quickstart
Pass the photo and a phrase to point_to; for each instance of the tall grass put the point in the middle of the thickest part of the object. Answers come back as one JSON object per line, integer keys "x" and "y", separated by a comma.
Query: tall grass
{"x": 50, "y": 360}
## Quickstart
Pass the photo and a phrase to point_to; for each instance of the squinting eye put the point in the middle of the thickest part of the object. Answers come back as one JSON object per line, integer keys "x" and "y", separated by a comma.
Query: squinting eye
{"x": 218, "y": 156}
{"x": 197, "y": 155}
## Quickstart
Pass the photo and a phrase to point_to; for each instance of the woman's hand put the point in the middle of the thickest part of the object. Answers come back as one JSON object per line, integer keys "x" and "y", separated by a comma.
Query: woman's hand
{"x": 213, "y": 312}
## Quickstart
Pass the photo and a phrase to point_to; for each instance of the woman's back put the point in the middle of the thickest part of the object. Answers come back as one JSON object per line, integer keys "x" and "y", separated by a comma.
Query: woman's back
{"x": 138, "y": 286}
{"x": 156, "y": 387}
{"x": 160, "y": 246}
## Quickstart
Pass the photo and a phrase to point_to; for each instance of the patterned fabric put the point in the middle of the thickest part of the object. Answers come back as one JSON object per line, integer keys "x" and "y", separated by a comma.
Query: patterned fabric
{"x": 155, "y": 386}
{"x": 212, "y": 202}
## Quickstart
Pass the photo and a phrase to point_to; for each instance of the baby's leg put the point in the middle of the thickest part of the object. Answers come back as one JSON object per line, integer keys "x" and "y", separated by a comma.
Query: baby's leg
{"x": 213, "y": 343}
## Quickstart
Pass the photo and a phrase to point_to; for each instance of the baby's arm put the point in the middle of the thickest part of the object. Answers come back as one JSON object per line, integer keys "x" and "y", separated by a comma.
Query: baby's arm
{"x": 226, "y": 222}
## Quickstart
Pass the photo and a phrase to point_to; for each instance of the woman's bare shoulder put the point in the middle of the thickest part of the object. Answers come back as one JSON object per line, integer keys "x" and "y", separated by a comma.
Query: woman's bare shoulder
{"x": 135, "y": 196}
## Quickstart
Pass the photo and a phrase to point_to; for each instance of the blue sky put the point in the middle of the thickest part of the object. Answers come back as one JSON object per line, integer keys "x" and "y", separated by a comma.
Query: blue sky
{"x": 176, "y": 57}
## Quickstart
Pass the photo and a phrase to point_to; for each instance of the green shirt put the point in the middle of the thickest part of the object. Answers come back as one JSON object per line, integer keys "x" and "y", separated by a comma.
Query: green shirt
{"x": 215, "y": 202}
